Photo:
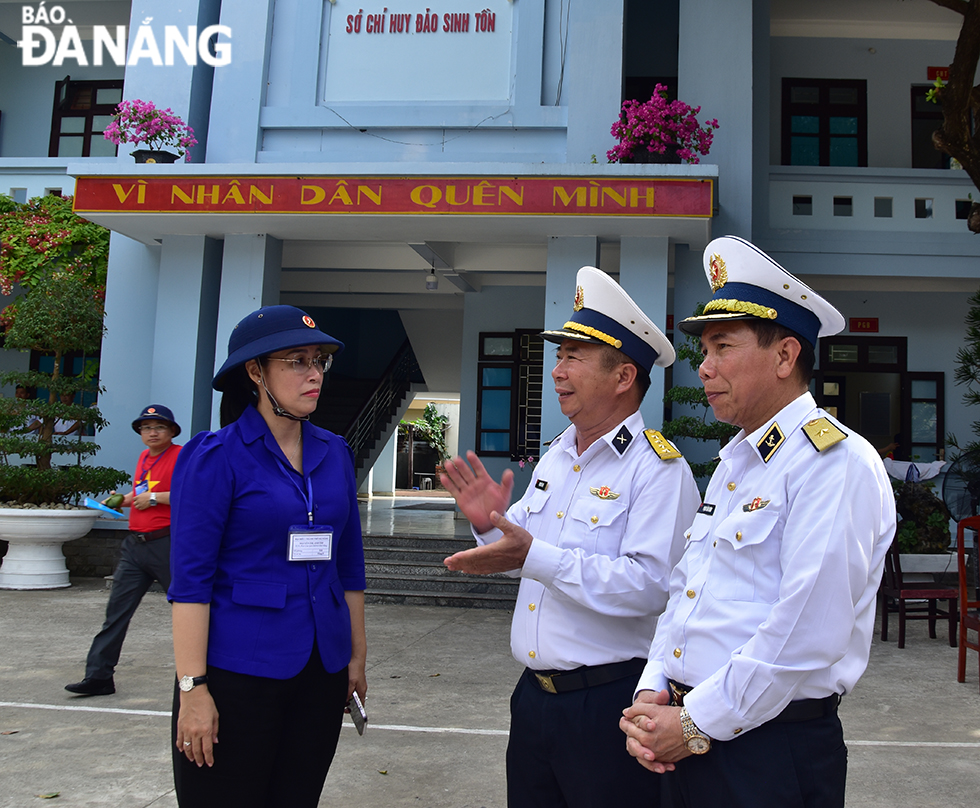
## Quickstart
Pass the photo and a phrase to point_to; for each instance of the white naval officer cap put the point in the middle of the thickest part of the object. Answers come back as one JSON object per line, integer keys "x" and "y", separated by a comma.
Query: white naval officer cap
{"x": 604, "y": 313}
{"x": 749, "y": 285}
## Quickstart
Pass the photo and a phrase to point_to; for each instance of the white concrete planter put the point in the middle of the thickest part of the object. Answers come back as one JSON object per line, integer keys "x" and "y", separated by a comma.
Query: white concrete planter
{"x": 34, "y": 559}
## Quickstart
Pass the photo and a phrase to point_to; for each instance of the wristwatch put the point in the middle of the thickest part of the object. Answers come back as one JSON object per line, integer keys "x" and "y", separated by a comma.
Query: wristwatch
{"x": 696, "y": 741}
{"x": 188, "y": 683}
{"x": 153, "y": 498}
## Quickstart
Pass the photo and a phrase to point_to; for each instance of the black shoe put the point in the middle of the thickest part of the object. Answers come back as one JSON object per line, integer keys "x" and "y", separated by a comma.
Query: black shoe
{"x": 92, "y": 687}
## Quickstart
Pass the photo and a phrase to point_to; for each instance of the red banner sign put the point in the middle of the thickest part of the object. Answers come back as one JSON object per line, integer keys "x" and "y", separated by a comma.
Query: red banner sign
{"x": 511, "y": 196}
{"x": 934, "y": 73}
{"x": 867, "y": 325}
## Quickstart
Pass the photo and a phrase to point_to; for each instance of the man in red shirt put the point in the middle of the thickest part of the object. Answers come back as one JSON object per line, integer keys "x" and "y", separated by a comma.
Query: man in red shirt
{"x": 145, "y": 552}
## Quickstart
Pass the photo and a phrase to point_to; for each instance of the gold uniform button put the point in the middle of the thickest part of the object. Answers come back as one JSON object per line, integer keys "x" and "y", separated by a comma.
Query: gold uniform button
{"x": 527, "y": 508}
{"x": 561, "y": 514}
{"x": 531, "y": 654}
{"x": 731, "y": 486}
{"x": 595, "y": 520}
{"x": 737, "y": 731}
{"x": 714, "y": 543}
{"x": 691, "y": 593}
{"x": 576, "y": 467}
{"x": 738, "y": 536}
{"x": 687, "y": 535}
{"x": 677, "y": 653}
{"x": 531, "y": 607}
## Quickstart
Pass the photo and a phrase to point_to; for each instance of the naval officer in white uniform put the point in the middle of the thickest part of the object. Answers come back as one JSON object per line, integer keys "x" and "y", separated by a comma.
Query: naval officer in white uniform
{"x": 772, "y": 606}
{"x": 593, "y": 539}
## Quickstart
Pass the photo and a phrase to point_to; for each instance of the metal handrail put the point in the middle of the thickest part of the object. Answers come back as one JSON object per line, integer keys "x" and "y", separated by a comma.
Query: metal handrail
{"x": 393, "y": 384}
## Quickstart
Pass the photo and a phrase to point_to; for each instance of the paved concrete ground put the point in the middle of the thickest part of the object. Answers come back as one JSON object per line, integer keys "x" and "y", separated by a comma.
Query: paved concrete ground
{"x": 439, "y": 681}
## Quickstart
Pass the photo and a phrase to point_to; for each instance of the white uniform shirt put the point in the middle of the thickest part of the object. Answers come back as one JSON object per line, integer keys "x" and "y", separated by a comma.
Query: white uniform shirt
{"x": 595, "y": 578}
{"x": 774, "y": 599}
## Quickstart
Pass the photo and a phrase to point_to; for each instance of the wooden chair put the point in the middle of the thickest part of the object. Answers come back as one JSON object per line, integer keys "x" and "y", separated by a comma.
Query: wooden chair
{"x": 906, "y": 597}
{"x": 969, "y": 609}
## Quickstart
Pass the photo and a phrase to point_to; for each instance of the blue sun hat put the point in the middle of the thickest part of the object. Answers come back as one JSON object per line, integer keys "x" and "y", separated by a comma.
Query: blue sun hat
{"x": 156, "y": 412}
{"x": 748, "y": 285}
{"x": 272, "y": 328}
{"x": 604, "y": 313}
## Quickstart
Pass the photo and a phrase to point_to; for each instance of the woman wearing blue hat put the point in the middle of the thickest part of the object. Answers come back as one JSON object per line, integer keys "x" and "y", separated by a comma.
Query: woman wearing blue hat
{"x": 268, "y": 578}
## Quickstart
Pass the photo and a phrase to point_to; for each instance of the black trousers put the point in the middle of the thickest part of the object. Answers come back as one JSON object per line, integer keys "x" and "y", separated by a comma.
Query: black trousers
{"x": 140, "y": 563}
{"x": 276, "y": 740}
{"x": 777, "y": 765}
{"x": 566, "y": 750}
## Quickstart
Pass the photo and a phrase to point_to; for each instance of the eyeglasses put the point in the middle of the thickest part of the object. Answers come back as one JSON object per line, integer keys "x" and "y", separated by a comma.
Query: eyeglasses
{"x": 301, "y": 366}
{"x": 146, "y": 429}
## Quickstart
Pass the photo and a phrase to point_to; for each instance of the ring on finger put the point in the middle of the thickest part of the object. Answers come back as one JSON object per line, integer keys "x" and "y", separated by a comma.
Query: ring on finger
{"x": 187, "y": 743}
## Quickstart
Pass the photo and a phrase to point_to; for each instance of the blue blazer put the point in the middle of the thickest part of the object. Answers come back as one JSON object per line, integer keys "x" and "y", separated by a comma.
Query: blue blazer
{"x": 234, "y": 497}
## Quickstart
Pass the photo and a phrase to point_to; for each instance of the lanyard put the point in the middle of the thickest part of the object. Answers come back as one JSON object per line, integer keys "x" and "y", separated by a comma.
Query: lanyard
{"x": 146, "y": 469}
{"x": 308, "y": 496}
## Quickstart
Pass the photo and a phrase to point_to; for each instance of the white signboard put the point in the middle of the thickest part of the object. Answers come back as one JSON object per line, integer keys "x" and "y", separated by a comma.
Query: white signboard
{"x": 451, "y": 50}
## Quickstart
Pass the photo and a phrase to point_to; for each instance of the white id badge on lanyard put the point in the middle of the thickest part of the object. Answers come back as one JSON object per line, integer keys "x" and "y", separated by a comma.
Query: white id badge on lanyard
{"x": 310, "y": 543}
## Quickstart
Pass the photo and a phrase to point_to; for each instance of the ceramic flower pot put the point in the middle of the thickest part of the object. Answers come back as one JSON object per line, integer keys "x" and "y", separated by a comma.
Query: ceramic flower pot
{"x": 154, "y": 156}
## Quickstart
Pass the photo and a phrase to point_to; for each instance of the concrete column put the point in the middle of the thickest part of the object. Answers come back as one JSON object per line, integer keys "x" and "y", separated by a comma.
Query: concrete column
{"x": 566, "y": 255}
{"x": 126, "y": 363}
{"x": 186, "y": 323}
{"x": 593, "y": 79}
{"x": 732, "y": 30}
{"x": 643, "y": 268}
{"x": 250, "y": 273}
{"x": 238, "y": 94}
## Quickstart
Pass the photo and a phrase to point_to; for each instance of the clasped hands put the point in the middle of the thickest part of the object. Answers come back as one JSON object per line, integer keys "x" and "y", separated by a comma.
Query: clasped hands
{"x": 653, "y": 731}
{"x": 483, "y": 501}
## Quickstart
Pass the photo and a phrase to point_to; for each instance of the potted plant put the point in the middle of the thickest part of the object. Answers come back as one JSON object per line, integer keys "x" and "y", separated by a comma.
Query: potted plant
{"x": 430, "y": 429}
{"x": 659, "y": 130}
{"x": 141, "y": 122}
{"x": 59, "y": 261}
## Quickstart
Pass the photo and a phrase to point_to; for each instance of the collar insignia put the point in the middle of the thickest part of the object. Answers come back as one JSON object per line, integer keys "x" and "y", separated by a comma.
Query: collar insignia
{"x": 541, "y": 485}
{"x": 719, "y": 274}
{"x": 622, "y": 440}
{"x": 603, "y": 493}
{"x": 707, "y": 509}
{"x": 664, "y": 448}
{"x": 770, "y": 442}
{"x": 579, "y": 303}
{"x": 756, "y": 504}
{"x": 823, "y": 434}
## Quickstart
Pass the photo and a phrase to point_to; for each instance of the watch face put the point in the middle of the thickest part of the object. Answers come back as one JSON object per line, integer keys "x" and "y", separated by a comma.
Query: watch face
{"x": 186, "y": 683}
{"x": 698, "y": 745}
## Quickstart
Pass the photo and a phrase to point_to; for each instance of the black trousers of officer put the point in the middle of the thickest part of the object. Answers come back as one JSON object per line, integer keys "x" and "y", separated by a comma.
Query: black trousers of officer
{"x": 566, "y": 750}
{"x": 778, "y": 765}
{"x": 276, "y": 739}
{"x": 139, "y": 565}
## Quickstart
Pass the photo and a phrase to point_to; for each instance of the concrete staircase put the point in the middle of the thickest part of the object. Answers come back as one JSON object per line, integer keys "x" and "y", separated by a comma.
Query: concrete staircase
{"x": 409, "y": 569}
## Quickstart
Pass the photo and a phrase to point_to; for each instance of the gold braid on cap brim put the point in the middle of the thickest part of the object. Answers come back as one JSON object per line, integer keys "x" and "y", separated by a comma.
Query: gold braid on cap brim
{"x": 740, "y": 306}
{"x": 593, "y": 332}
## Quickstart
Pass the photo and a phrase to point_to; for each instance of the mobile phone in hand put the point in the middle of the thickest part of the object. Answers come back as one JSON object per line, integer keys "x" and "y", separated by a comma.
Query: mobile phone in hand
{"x": 357, "y": 713}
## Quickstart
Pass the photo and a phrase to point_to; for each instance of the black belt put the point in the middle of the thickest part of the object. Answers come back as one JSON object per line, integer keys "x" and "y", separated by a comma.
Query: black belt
{"x": 802, "y": 710}
{"x": 587, "y": 676}
{"x": 153, "y": 535}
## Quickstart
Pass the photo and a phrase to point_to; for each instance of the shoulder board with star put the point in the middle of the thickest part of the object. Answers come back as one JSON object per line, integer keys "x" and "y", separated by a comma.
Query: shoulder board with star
{"x": 664, "y": 448}
{"x": 822, "y": 433}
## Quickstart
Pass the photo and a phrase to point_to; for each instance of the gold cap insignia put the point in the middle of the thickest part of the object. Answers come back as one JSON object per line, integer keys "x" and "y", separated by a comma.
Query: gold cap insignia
{"x": 719, "y": 274}
{"x": 664, "y": 448}
{"x": 823, "y": 434}
{"x": 770, "y": 442}
{"x": 756, "y": 504}
{"x": 579, "y": 303}
{"x": 603, "y": 493}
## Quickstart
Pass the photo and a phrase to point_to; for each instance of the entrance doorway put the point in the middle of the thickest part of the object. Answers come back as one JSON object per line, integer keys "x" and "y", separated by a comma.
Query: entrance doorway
{"x": 864, "y": 383}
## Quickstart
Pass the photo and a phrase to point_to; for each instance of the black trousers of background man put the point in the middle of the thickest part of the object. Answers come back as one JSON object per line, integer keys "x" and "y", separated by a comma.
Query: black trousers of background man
{"x": 566, "y": 750}
{"x": 799, "y": 764}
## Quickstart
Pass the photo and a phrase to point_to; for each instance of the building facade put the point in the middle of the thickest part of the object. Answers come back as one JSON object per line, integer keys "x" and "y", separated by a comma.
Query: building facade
{"x": 435, "y": 176}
